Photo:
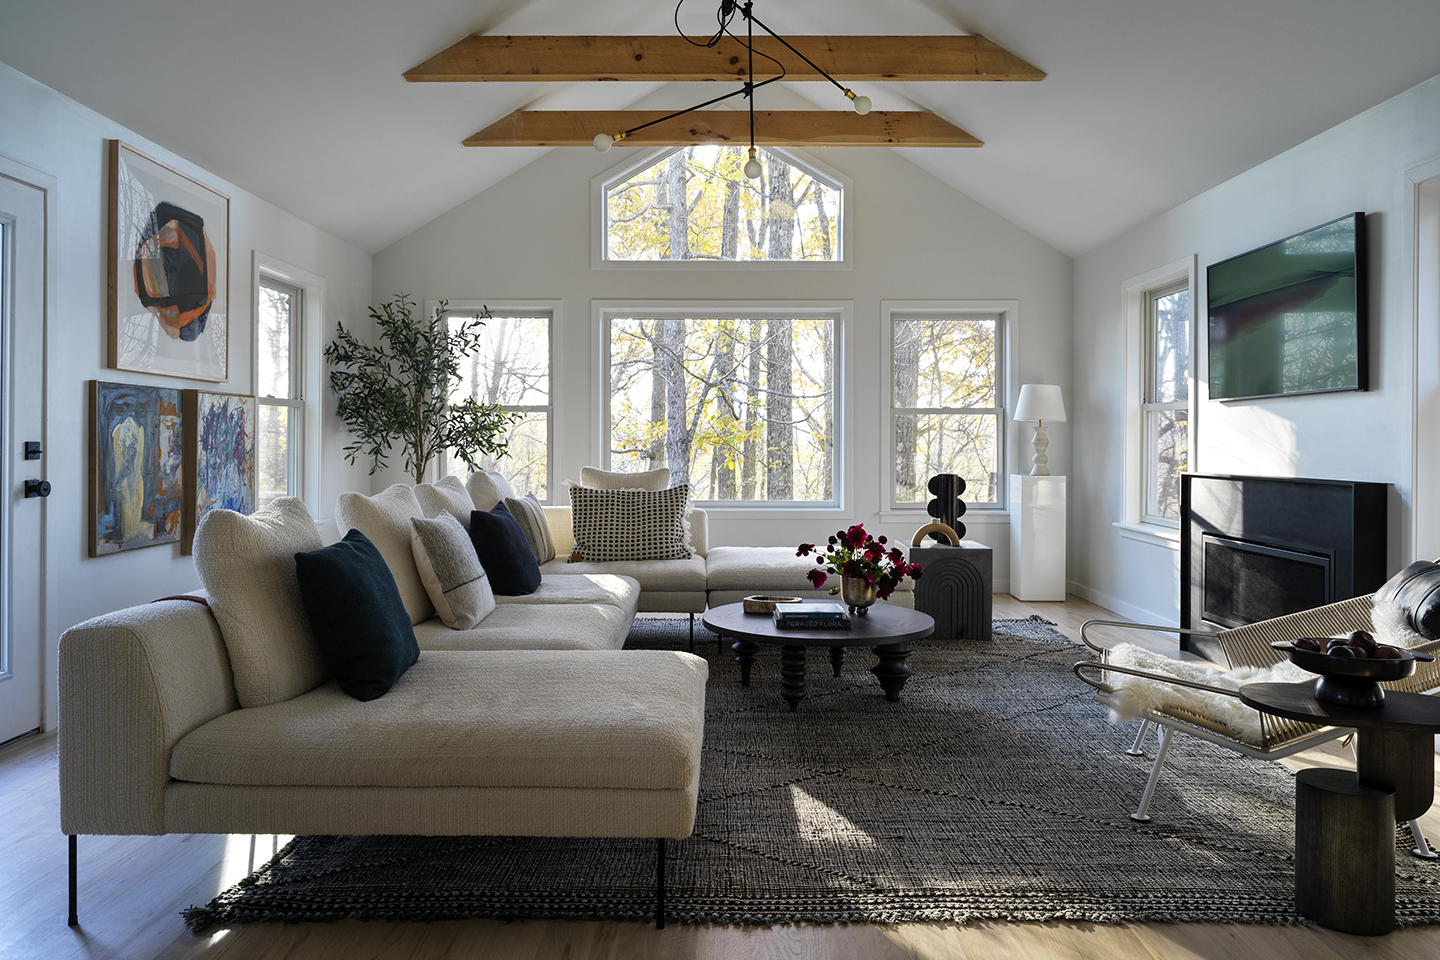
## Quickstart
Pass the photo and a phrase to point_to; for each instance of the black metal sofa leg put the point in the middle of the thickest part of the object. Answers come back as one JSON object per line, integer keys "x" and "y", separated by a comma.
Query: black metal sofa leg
{"x": 660, "y": 883}
{"x": 74, "y": 858}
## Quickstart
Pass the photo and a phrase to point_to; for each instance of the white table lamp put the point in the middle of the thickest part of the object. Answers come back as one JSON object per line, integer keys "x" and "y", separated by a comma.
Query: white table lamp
{"x": 1040, "y": 402}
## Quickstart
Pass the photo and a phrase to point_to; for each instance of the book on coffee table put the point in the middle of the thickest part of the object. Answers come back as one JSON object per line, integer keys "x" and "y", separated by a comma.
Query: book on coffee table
{"x": 812, "y": 614}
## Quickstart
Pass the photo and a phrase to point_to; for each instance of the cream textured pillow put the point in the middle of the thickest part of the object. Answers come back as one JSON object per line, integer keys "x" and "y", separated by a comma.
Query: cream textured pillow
{"x": 451, "y": 571}
{"x": 530, "y": 514}
{"x": 446, "y": 495}
{"x": 631, "y": 524}
{"x": 248, "y": 567}
{"x": 385, "y": 519}
{"x": 653, "y": 480}
{"x": 488, "y": 489}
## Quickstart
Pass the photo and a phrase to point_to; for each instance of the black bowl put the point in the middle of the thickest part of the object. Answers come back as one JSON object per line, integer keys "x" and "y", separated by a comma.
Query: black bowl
{"x": 1351, "y": 682}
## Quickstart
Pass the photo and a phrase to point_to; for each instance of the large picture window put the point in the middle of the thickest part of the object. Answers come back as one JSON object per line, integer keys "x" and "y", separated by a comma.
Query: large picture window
{"x": 512, "y": 369}
{"x": 695, "y": 203}
{"x": 945, "y": 414}
{"x": 742, "y": 407}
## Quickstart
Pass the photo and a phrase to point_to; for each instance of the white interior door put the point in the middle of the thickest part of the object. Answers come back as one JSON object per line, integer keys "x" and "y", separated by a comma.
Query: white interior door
{"x": 22, "y": 386}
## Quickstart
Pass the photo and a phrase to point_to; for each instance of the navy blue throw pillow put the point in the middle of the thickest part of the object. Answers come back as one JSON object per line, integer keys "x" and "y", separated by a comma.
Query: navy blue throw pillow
{"x": 357, "y": 616}
{"x": 504, "y": 552}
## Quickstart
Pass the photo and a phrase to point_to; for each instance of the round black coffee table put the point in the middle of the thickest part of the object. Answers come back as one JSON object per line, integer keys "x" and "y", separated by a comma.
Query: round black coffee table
{"x": 887, "y": 629}
{"x": 1344, "y": 868}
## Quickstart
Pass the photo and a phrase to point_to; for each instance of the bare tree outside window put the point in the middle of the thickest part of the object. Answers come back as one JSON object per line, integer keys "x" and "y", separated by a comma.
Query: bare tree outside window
{"x": 742, "y": 409}
{"x": 697, "y": 204}
{"x": 511, "y": 370}
{"x": 1166, "y": 407}
{"x": 278, "y": 374}
{"x": 946, "y": 404}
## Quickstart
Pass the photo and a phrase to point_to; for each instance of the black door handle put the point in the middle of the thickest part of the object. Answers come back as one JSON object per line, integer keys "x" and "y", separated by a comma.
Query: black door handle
{"x": 37, "y": 488}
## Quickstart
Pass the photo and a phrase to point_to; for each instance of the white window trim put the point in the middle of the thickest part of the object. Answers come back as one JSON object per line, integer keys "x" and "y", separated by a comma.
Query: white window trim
{"x": 1009, "y": 313}
{"x": 550, "y": 308}
{"x": 311, "y": 354}
{"x": 840, "y": 311}
{"x": 1132, "y": 523}
{"x": 799, "y": 158}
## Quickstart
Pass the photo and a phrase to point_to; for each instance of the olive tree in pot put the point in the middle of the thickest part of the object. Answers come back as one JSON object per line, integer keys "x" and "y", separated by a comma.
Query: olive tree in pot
{"x": 399, "y": 391}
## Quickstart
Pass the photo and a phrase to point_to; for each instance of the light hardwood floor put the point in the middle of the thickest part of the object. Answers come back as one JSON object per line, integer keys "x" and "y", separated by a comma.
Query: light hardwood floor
{"x": 132, "y": 889}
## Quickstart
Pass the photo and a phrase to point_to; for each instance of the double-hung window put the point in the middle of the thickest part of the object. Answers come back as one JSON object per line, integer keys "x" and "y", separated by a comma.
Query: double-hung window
{"x": 945, "y": 401}
{"x": 280, "y": 384}
{"x": 512, "y": 370}
{"x": 1165, "y": 405}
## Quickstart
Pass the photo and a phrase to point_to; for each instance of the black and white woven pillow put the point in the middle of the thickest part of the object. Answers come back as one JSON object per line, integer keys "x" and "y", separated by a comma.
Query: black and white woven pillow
{"x": 631, "y": 524}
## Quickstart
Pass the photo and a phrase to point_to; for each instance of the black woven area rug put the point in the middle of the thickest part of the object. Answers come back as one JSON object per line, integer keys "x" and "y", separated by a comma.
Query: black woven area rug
{"x": 995, "y": 788}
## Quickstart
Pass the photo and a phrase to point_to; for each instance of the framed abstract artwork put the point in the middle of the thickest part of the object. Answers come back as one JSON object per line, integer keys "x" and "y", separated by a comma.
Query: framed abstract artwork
{"x": 169, "y": 270}
{"x": 219, "y": 456}
{"x": 136, "y": 473}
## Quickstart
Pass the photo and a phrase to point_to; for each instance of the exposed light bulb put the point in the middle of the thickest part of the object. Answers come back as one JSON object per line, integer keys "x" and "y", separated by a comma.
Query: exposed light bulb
{"x": 862, "y": 104}
{"x": 603, "y": 142}
{"x": 752, "y": 166}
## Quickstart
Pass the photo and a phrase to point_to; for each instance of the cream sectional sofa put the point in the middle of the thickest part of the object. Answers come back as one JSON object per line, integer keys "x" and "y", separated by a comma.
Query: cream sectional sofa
{"x": 204, "y": 714}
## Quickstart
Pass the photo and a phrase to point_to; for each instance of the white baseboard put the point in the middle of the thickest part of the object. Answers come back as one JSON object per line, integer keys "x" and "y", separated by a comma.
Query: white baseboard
{"x": 1115, "y": 605}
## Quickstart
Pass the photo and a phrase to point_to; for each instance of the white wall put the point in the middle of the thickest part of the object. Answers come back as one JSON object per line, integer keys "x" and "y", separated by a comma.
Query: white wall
{"x": 50, "y": 133}
{"x": 1361, "y": 165}
{"x": 914, "y": 238}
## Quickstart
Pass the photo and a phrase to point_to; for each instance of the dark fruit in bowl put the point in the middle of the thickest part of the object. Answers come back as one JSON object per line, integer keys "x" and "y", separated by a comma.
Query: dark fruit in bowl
{"x": 1342, "y": 651}
{"x": 1362, "y": 639}
{"x": 1308, "y": 643}
{"x": 1383, "y": 652}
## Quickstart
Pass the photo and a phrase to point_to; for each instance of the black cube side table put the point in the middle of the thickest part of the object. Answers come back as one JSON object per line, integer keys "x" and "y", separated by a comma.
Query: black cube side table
{"x": 954, "y": 588}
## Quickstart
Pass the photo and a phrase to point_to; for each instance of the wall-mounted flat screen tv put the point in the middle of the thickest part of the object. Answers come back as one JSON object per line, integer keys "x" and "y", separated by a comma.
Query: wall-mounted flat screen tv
{"x": 1290, "y": 317}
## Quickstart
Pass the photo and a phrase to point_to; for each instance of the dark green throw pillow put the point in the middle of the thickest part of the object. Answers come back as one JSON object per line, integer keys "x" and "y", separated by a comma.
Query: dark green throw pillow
{"x": 357, "y": 616}
{"x": 504, "y": 552}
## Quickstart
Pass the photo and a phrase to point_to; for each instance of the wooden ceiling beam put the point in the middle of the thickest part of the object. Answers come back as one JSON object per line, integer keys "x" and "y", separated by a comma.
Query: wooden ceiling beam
{"x": 667, "y": 58}
{"x": 817, "y": 128}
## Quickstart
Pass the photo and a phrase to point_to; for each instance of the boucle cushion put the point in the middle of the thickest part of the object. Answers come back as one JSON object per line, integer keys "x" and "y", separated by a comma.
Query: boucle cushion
{"x": 631, "y": 524}
{"x": 446, "y": 495}
{"x": 504, "y": 552}
{"x": 451, "y": 571}
{"x": 385, "y": 520}
{"x": 1135, "y": 694}
{"x": 488, "y": 489}
{"x": 652, "y": 480}
{"x": 627, "y": 720}
{"x": 364, "y": 634}
{"x": 528, "y": 512}
{"x": 247, "y": 565}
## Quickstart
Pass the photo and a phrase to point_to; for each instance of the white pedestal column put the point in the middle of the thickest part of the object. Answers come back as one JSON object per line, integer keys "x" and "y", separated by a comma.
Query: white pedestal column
{"x": 1037, "y": 537}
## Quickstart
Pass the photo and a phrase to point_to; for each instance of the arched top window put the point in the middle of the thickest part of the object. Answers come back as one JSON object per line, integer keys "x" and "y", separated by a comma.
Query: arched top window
{"x": 696, "y": 204}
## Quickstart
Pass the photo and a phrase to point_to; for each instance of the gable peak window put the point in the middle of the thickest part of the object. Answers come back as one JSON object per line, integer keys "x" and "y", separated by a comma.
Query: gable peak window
{"x": 696, "y": 203}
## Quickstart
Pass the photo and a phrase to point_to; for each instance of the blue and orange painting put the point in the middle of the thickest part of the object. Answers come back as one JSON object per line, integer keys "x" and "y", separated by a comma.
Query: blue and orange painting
{"x": 137, "y": 476}
{"x": 225, "y": 468}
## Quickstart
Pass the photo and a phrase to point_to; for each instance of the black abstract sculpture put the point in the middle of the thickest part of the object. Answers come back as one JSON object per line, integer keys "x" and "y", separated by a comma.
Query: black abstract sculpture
{"x": 947, "y": 507}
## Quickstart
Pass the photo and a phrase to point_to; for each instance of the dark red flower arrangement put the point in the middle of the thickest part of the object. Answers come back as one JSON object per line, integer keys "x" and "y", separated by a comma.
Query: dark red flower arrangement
{"x": 854, "y": 553}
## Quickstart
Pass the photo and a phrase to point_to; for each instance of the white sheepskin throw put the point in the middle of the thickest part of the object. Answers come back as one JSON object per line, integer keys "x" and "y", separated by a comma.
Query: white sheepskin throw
{"x": 1392, "y": 625}
{"x": 1135, "y": 694}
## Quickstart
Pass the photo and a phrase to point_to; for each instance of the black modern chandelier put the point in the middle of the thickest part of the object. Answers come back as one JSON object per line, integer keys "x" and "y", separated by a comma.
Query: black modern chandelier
{"x": 725, "y": 15}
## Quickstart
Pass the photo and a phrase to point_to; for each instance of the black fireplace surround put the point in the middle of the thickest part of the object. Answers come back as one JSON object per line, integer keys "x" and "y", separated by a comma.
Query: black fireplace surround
{"x": 1252, "y": 548}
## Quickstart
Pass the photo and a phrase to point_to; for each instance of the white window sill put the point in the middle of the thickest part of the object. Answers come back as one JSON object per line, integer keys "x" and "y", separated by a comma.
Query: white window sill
{"x": 978, "y": 517}
{"x": 1151, "y": 533}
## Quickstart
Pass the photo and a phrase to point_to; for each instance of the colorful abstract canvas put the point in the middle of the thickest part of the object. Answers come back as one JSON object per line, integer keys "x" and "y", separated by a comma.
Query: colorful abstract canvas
{"x": 219, "y": 456}
{"x": 136, "y": 470}
{"x": 169, "y": 270}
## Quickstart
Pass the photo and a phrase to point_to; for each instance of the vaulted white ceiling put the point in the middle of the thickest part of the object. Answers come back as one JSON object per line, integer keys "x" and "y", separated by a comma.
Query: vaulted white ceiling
{"x": 1147, "y": 102}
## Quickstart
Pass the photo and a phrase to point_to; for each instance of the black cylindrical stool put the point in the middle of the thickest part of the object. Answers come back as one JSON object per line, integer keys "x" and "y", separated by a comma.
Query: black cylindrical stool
{"x": 1344, "y": 852}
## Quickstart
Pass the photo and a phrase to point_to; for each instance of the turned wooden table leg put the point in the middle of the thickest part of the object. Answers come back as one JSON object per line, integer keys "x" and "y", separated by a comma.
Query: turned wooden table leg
{"x": 892, "y": 670}
{"x": 837, "y": 659}
{"x": 745, "y": 651}
{"x": 792, "y": 674}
